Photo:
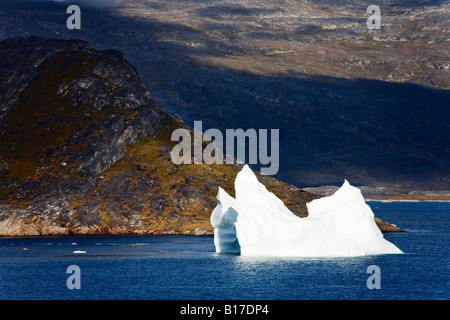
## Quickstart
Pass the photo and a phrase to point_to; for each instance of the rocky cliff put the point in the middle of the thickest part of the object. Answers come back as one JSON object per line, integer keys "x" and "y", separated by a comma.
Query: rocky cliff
{"x": 84, "y": 149}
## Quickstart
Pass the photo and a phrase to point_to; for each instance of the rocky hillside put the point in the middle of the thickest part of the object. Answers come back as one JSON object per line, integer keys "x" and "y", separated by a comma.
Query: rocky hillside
{"x": 85, "y": 150}
{"x": 369, "y": 106}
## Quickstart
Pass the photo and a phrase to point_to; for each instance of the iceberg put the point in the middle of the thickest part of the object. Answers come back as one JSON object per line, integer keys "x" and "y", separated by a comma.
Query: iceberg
{"x": 257, "y": 223}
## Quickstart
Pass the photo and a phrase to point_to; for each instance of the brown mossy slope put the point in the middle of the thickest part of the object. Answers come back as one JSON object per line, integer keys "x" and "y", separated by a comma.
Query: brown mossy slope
{"x": 172, "y": 198}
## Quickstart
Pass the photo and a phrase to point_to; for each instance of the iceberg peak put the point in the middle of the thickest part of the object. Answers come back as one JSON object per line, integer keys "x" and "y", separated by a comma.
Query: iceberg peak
{"x": 258, "y": 223}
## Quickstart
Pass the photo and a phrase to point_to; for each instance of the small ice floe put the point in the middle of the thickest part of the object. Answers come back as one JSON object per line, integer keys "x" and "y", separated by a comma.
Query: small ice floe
{"x": 79, "y": 251}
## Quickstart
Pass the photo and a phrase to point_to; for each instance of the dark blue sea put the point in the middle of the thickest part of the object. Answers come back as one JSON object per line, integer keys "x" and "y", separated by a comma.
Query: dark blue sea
{"x": 186, "y": 267}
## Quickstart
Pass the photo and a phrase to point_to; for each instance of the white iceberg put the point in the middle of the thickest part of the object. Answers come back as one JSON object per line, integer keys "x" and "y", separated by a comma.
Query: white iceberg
{"x": 257, "y": 223}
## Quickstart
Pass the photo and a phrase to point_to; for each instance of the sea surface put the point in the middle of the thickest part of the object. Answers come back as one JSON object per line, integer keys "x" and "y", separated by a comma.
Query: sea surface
{"x": 186, "y": 267}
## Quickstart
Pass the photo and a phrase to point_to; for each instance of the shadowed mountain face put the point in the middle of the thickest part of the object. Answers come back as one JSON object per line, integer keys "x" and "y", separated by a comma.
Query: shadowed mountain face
{"x": 367, "y": 105}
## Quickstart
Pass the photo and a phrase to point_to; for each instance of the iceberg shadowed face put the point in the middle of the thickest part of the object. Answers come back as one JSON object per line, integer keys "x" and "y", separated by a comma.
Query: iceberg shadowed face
{"x": 258, "y": 145}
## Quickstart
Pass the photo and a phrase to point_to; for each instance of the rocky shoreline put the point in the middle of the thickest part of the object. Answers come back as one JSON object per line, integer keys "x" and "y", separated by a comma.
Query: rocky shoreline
{"x": 34, "y": 227}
